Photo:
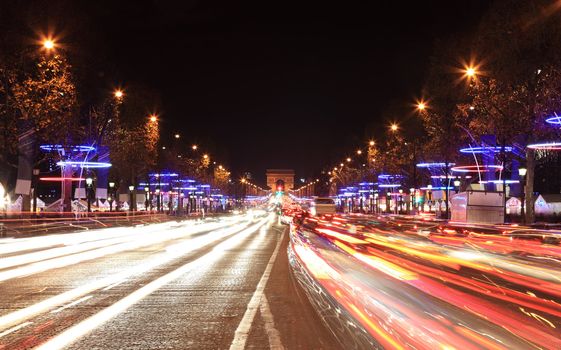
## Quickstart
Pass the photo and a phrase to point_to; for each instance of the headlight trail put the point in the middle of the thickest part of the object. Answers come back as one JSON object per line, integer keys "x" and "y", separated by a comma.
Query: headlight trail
{"x": 421, "y": 285}
{"x": 59, "y": 257}
{"x": 73, "y": 333}
{"x": 173, "y": 253}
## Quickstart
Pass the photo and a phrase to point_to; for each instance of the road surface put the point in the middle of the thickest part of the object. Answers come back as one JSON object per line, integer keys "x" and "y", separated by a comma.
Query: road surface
{"x": 221, "y": 284}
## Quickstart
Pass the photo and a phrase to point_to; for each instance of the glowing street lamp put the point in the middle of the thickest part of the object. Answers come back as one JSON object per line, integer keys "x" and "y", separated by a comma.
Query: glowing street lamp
{"x": 429, "y": 194}
{"x": 348, "y": 160}
{"x": 359, "y": 152}
{"x": 371, "y": 143}
{"x": 131, "y": 189}
{"x": 177, "y": 136}
{"x": 112, "y": 194}
{"x": 394, "y": 127}
{"x": 147, "y": 199}
{"x": 48, "y": 44}
{"x": 421, "y": 106}
{"x": 118, "y": 94}
{"x": 194, "y": 147}
{"x": 470, "y": 71}
{"x": 522, "y": 172}
{"x": 153, "y": 118}
{"x": 412, "y": 199}
{"x": 89, "y": 182}
{"x": 205, "y": 156}
{"x": 457, "y": 184}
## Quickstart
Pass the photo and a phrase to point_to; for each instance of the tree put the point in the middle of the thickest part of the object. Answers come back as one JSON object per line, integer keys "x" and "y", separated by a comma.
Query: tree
{"x": 42, "y": 97}
{"x": 520, "y": 84}
{"x": 220, "y": 178}
{"x": 133, "y": 136}
{"x": 442, "y": 117}
{"x": 46, "y": 99}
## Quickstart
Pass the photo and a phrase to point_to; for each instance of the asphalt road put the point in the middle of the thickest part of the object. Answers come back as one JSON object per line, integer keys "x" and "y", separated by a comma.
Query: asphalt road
{"x": 224, "y": 284}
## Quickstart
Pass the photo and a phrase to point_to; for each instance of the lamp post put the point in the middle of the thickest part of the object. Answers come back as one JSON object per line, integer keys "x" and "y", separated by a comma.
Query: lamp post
{"x": 412, "y": 199}
{"x": 35, "y": 183}
{"x": 400, "y": 201}
{"x": 111, "y": 195}
{"x": 158, "y": 199}
{"x": 388, "y": 202}
{"x": 147, "y": 199}
{"x": 429, "y": 196}
{"x": 522, "y": 173}
{"x": 457, "y": 184}
{"x": 243, "y": 181}
{"x": 89, "y": 182}
{"x": 180, "y": 206}
{"x": 131, "y": 206}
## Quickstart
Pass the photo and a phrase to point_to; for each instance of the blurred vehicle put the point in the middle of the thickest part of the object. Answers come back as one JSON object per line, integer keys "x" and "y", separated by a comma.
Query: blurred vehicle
{"x": 322, "y": 205}
{"x": 287, "y": 215}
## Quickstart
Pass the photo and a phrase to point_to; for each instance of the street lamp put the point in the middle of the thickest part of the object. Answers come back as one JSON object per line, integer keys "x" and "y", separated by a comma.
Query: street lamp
{"x": 158, "y": 199}
{"x": 412, "y": 198}
{"x": 111, "y": 191}
{"x": 48, "y": 44}
{"x": 131, "y": 189}
{"x": 470, "y": 72}
{"x": 388, "y": 202}
{"x": 394, "y": 127}
{"x": 348, "y": 160}
{"x": 522, "y": 172}
{"x": 153, "y": 118}
{"x": 194, "y": 147}
{"x": 177, "y": 136}
{"x": 89, "y": 182}
{"x": 400, "y": 201}
{"x": 359, "y": 152}
{"x": 147, "y": 200}
{"x": 118, "y": 94}
{"x": 36, "y": 182}
{"x": 457, "y": 184}
{"x": 429, "y": 195}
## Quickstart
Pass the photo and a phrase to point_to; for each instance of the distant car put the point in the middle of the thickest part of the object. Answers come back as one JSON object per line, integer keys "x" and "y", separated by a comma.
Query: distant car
{"x": 287, "y": 216}
{"x": 322, "y": 206}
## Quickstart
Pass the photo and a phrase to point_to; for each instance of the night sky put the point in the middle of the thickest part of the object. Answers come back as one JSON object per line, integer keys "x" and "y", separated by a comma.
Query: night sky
{"x": 271, "y": 84}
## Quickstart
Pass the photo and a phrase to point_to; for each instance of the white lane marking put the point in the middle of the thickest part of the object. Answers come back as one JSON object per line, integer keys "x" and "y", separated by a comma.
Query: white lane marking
{"x": 75, "y": 302}
{"x": 13, "y": 329}
{"x": 73, "y": 333}
{"x": 244, "y": 327}
{"x": 273, "y": 334}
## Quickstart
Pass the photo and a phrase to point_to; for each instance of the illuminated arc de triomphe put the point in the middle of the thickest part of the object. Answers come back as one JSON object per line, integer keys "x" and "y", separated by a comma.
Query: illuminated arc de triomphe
{"x": 285, "y": 176}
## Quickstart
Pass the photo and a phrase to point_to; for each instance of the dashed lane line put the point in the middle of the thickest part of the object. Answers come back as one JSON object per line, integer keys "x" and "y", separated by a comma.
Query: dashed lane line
{"x": 242, "y": 332}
